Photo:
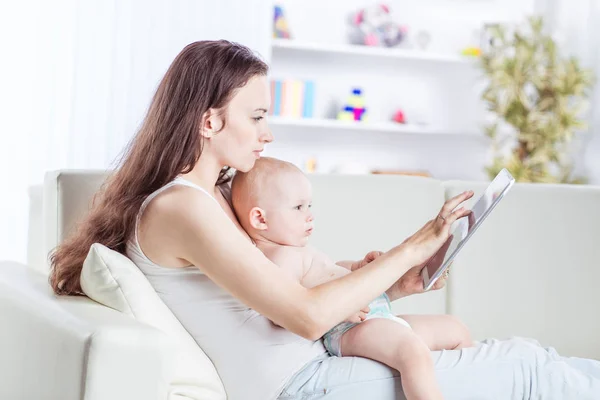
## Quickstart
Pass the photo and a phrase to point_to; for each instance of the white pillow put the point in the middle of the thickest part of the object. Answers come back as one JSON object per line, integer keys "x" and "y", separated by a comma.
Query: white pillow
{"x": 113, "y": 280}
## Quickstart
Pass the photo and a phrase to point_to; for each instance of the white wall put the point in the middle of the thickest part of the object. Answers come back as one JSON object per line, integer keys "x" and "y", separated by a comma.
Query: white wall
{"x": 450, "y": 21}
{"x": 78, "y": 75}
{"x": 578, "y": 24}
{"x": 576, "y": 29}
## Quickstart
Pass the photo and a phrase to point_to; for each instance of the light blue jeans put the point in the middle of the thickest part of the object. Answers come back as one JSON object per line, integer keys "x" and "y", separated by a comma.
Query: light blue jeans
{"x": 508, "y": 370}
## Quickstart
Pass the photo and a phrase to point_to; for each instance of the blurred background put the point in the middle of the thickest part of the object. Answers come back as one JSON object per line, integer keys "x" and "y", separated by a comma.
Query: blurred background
{"x": 449, "y": 89}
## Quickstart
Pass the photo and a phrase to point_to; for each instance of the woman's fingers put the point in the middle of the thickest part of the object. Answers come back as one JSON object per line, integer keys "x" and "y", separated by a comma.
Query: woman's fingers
{"x": 453, "y": 217}
{"x": 372, "y": 255}
{"x": 365, "y": 309}
{"x": 432, "y": 236}
{"x": 454, "y": 202}
{"x": 457, "y": 214}
{"x": 440, "y": 283}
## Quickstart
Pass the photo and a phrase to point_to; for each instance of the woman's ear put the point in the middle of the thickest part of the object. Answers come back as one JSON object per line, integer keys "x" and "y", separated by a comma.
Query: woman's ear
{"x": 212, "y": 122}
{"x": 258, "y": 219}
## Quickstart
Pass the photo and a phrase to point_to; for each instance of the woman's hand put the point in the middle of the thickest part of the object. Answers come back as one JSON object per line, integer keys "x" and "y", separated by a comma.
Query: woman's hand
{"x": 434, "y": 234}
{"x": 425, "y": 243}
{"x": 411, "y": 282}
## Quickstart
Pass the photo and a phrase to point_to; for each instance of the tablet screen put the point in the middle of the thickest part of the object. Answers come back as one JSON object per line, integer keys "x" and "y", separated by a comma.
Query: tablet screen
{"x": 464, "y": 227}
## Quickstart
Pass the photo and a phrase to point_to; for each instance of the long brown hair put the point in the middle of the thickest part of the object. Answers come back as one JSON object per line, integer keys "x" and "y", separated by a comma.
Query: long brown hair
{"x": 204, "y": 75}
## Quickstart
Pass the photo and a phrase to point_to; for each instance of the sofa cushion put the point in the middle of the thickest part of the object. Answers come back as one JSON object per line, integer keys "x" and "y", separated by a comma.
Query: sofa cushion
{"x": 113, "y": 280}
{"x": 354, "y": 214}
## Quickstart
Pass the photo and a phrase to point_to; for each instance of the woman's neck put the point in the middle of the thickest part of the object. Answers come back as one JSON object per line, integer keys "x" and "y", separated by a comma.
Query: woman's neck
{"x": 205, "y": 173}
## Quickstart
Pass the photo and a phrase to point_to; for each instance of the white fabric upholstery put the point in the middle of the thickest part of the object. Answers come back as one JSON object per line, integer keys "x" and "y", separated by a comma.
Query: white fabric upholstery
{"x": 113, "y": 280}
{"x": 72, "y": 348}
{"x": 68, "y": 196}
{"x": 531, "y": 270}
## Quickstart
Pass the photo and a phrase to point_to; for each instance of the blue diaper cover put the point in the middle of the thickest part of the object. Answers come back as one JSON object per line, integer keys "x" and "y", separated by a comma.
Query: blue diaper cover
{"x": 379, "y": 308}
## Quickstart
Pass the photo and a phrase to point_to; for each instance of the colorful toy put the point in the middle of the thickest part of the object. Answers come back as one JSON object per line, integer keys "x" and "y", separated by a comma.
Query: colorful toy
{"x": 355, "y": 109}
{"x": 311, "y": 165}
{"x": 399, "y": 117}
{"x": 478, "y": 37}
{"x": 280, "y": 25}
{"x": 373, "y": 26}
{"x": 471, "y": 51}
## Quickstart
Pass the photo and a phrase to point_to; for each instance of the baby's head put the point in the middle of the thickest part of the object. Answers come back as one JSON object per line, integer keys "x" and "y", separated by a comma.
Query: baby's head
{"x": 272, "y": 202}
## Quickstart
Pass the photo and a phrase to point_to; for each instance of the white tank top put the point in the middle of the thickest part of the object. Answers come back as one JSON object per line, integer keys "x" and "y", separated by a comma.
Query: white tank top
{"x": 253, "y": 357}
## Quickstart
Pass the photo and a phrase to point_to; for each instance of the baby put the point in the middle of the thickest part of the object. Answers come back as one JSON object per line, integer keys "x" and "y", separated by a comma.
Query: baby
{"x": 272, "y": 202}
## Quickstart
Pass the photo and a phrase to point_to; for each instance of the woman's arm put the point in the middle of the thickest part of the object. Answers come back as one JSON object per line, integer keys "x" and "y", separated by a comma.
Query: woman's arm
{"x": 410, "y": 283}
{"x": 208, "y": 239}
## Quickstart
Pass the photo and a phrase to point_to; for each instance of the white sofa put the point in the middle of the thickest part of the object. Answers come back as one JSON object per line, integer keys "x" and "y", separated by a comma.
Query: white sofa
{"x": 531, "y": 270}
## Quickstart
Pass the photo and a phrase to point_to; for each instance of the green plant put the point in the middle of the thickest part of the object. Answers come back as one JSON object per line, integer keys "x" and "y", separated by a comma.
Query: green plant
{"x": 537, "y": 98}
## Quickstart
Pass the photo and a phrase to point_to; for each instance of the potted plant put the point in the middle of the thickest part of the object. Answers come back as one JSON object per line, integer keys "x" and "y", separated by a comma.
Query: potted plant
{"x": 537, "y": 99}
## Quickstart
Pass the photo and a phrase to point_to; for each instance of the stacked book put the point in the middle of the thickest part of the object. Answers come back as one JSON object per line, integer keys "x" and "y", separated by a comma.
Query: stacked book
{"x": 292, "y": 98}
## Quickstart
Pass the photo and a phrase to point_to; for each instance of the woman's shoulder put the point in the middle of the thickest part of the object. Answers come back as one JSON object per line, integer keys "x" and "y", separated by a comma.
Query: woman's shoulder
{"x": 173, "y": 222}
{"x": 181, "y": 203}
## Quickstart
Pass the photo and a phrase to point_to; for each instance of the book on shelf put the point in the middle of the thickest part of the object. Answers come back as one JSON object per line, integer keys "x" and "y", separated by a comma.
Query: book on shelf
{"x": 292, "y": 98}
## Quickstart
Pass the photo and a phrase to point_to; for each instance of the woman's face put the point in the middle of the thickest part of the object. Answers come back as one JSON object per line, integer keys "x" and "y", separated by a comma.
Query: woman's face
{"x": 246, "y": 131}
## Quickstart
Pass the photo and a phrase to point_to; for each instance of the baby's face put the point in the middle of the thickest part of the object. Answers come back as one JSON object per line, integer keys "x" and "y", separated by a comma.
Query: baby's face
{"x": 289, "y": 218}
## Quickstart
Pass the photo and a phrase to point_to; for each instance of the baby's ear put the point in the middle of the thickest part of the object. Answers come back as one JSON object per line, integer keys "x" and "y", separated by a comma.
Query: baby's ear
{"x": 258, "y": 219}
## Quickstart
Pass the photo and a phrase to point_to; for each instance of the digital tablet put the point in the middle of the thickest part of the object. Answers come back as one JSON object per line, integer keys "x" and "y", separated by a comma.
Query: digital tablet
{"x": 466, "y": 227}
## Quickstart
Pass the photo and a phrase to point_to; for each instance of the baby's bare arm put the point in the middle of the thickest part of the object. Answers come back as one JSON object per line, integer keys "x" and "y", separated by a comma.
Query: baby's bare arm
{"x": 305, "y": 264}
{"x": 320, "y": 269}
{"x": 290, "y": 259}
{"x": 310, "y": 268}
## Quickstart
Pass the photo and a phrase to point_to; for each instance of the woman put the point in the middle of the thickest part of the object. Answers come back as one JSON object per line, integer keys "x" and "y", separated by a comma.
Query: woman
{"x": 167, "y": 208}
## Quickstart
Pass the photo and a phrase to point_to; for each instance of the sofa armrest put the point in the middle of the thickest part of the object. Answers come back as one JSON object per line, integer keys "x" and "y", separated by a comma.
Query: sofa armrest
{"x": 67, "y": 197}
{"x": 73, "y": 348}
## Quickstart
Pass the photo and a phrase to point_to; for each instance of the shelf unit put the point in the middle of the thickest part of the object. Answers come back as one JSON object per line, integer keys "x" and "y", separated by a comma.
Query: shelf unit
{"x": 382, "y": 127}
{"x": 378, "y": 143}
{"x": 286, "y": 45}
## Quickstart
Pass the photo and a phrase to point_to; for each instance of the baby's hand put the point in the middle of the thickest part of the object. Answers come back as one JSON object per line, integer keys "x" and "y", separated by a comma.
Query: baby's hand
{"x": 372, "y": 255}
{"x": 359, "y": 316}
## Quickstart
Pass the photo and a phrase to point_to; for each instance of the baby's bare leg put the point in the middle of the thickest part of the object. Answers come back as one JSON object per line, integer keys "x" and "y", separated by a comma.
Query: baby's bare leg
{"x": 399, "y": 347}
{"x": 440, "y": 332}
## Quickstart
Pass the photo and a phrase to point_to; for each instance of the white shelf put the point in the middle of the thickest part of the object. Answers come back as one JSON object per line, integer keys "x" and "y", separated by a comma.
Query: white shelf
{"x": 385, "y": 127}
{"x": 367, "y": 51}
